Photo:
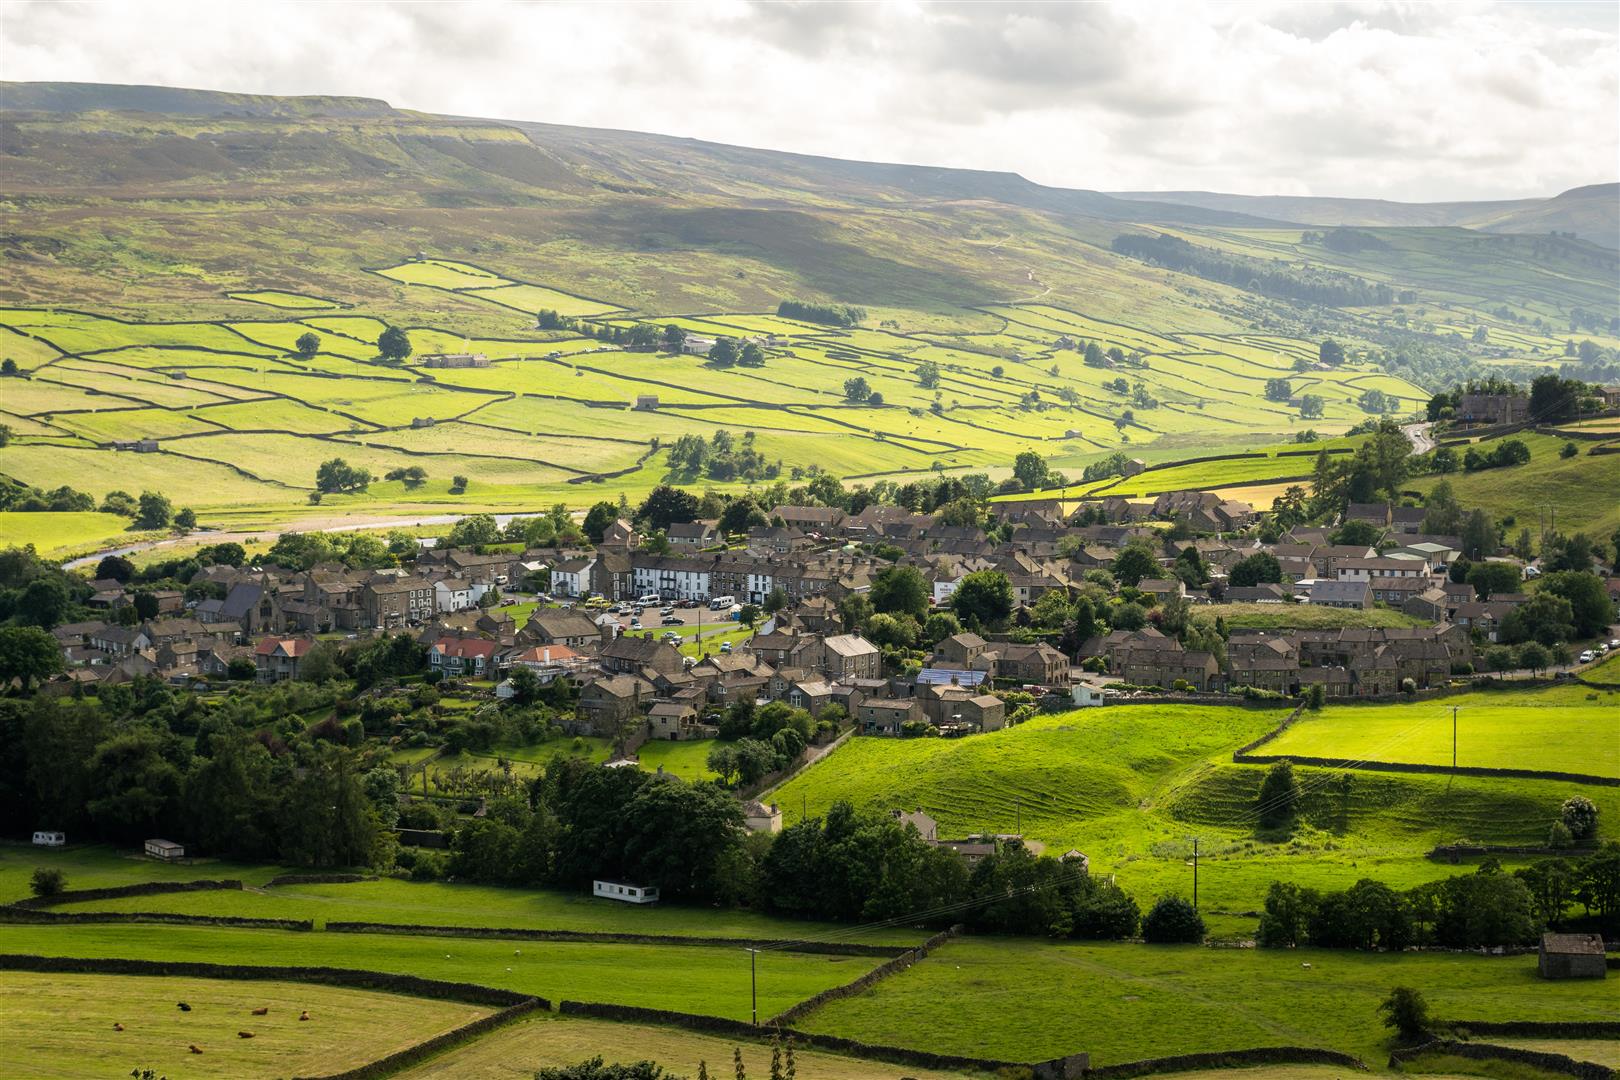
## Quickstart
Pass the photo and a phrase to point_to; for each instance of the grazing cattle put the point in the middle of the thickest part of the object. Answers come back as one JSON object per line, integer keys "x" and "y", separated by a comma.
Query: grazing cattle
{"x": 117, "y": 1026}
{"x": 261, "y": 1010}
{"x": 244, "y": 1034}
{"x": 195, "y": 1049}
{"x": 182, "y": 1006}
{"x": 304, "y": 1015}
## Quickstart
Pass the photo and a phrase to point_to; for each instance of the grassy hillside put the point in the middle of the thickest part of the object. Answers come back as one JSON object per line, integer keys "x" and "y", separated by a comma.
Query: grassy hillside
{"x": 1574, "y": 486}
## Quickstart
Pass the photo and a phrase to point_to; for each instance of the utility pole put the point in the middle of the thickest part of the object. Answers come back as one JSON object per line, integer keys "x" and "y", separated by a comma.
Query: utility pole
{"x": 1018, "y": 810}
{"x": 753, "y": 984}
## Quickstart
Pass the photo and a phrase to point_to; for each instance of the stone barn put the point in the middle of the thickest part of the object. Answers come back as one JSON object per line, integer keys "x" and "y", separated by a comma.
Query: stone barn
{"x": 1572, "y": 956}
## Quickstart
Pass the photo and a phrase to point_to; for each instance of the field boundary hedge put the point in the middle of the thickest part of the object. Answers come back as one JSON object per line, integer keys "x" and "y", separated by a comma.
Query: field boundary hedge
{"x": 855, "y": 986}
{"x": 117, "y": 892}
{"x": 719, "y": 1025}
{"x": 1225, "y": 1059}
{"x": 34, "y": 916}
{"x": 601, "y": 937}
{"x": 352, "y": 978}
{"x": 1355, "y": 765}
{"x": 1561, "y": 1063}
{"x": 393, "y": 1063}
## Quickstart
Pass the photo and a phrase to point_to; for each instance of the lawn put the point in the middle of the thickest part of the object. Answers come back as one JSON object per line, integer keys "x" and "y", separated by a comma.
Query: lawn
{"x": 687, "y": 760}
{"x": 1562, "y": 728}
{"x": 1122, "y": 1002}
{"x": 710, "y": 980}
{"x": 541, "y": 1041}
{"x": 62, "y": 1025}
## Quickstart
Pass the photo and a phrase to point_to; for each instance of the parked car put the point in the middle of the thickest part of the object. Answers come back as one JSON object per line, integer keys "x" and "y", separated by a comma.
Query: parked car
{"x": 673, "y": 620}
{"x": 666, "y": 610}
{"x": 725, "y": 646}
{"x": 1614, "y": 643}
{"x": 1588, "y": 656}
{"x": 635, "y": 624}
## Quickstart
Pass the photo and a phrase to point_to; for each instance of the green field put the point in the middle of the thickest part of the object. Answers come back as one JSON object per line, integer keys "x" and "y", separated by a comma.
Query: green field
{"x": 711, "y": 980}
{"x": 687, "y": 760}
{"x": 550, "y": 1040}
{"x": 58, "y": 534}
{"x": 1563, "y": 729}
{"x": 1568, "y": 484}
{"x": 1125, "y": 1002}
{"x": 62, "y": 1025}
{"x": 278, "y": 298}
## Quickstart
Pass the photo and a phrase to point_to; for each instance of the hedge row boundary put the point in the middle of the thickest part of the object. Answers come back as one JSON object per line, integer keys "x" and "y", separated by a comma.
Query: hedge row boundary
{"x": 719, "y": 1025}
{"x": 597, "y": 937}
{"x": 1560, "y": 1063}
{"x": 1242, "y": 758}
{"x": 148, "y": 888}
{"x": 411, "y": 1055}
{"x": 352, "y": 978}
{"x": 34, "y": 916}
{"x": 862, "y": 982}
{"x": 1225, "y": 1059}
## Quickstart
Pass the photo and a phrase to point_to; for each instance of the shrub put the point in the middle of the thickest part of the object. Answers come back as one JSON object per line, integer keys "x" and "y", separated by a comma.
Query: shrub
{"x": 1559, "y": 836}
{"x": 1580, "y": 816}
{"x": 47, "y": 882}
{"x": 1406, "y": 1011}
{"x": 1279, "y": 795}
{"x": 594, "y": 1069}
{"x": 1171, "y": 921}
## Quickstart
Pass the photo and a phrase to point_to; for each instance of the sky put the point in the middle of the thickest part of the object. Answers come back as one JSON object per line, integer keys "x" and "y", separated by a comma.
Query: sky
{"x": 1410, "y": 101}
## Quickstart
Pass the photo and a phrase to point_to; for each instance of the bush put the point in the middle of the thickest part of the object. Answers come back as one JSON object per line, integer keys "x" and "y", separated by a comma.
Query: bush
{"x": 1580, "y": 816}
{"x": 47, "y": 882}
{"x": 1559, "y": 836}
{"x": 1406, "y": 1011}
{"x": 1279, "y": 795}
{"x": 1172, "y": 920}
{"x": 595, "y": 1070}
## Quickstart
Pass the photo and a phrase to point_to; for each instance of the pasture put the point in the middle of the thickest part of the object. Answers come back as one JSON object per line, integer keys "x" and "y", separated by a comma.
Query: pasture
{"x": 279, "y": 298}
{"x": 55, "y": 535}
{"x": 1125, "y": 1002}
{"x": 1563, "y": 729}
{"x": 711, "y": 980}
{"x": 62, "y": 1025}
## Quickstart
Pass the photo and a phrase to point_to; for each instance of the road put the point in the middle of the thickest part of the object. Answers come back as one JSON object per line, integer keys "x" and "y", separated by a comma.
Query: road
{"x": 1422, "y": 441}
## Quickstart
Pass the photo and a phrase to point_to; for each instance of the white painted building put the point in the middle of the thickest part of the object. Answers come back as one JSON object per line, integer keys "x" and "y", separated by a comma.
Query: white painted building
{"x": 625, "y": 892}
{"x": 572, "y": 577}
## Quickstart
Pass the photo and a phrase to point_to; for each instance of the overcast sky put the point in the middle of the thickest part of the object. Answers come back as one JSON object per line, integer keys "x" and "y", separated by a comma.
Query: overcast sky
{"x": 1402, "y": 100}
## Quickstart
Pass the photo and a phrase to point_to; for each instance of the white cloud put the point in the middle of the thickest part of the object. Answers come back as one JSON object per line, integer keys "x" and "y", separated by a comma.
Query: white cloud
{"x": 1398, "y": 100}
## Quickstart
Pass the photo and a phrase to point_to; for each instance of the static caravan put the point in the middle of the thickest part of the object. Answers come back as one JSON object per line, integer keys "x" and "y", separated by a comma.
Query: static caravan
{"x": 166, "y": 850}
{"x": 50, "y": 838}
{"x": 623, "y": 891}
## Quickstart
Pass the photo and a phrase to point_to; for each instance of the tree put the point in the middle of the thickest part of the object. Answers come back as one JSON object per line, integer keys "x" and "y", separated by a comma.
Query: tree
{"x": 1172, "y": 920}
{"x": 751, "y": 355}
{"x": 666, "y": 506}
{"x": 1580, "y": 816}
{"x": 115, "y": 568}
{"x": 597, "y": 519}
{"x": 1554, "y": 399}
{"x": 901, "y": 590}
{"x": 983, "y": 598}
{"x": 1568, "y": 450}
{"x": 1135, "y": 562}
{"x": 1311, "y": 406}
{"x": 723, "y": 353}
{"x": 1357, "y": 534}
{"x": 47, "y": 881}
{"x": 320, "y": 664}
{"x": 1279, "y": 795}
{"x": 1406, "y": 1011}
{"x": 1278, "y": 390}
{"x": 1260, "y": 568}
{"x": 1534, "y": 656}
{"x": 674, "y": 338}
{"x": 394, "y": 344}
{"x": 8, "y": 367}
{"x": 891, "y": 631}
{"x": 1489, "y": 578}
{"x": 154, "y": 512}
{"x": 473, "y": 530}
{"x": 1331, "y": 353}
{"x": 119, "y": 502}
{"x": 458, "y": 484}
{"x": 1591, "y": 610}
{"x": 186, "y": 519}
{"x": 307, "y": 346}
{"x": 241, "y": 669}
{"x": 740, "y": 515}
{"x": 928, "y": 375}
{"x": 940, "y": 625}
{"x": 1288, "y": 912}
{"x": 337, "y": 475}
{"x": 1030, "y": 470}
{"x": 857, "y": 390}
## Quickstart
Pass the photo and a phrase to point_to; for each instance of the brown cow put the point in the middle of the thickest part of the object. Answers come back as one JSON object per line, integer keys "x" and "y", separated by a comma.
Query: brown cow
{"x": 117, "y": 1026}
{"x": 244, "y": 1034}
{"x": 195, "y": 1049}
{"x": 304, "y": 1015}
{"x": 261, "y": 1010}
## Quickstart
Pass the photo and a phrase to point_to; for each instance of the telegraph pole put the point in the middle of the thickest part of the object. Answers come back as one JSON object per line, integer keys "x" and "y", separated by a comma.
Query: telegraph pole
{"x": 1454, "y": 738}
{"x": 753, "y": 984}
{"x": 1018, "y": 810}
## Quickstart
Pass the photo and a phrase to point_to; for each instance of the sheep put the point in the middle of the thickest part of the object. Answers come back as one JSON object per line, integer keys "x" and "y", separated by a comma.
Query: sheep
{"x": 261, "y": 1010}
{"x": 182, "y": 1006}
{"x": 304, "y": 1015}
{"x": 117, "y": 1026}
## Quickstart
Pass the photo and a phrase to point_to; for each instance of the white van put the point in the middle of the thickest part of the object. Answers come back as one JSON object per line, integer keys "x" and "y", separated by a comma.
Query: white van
{"x": 650, "y": 599}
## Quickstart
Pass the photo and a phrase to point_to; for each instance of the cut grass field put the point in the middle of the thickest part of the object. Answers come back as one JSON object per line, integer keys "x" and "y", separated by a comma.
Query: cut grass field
{"x": 514, "y": 1052}
{"x": 1127, "y": 1002}
{"x": 55, "y": 535}
{"x": 57, "y": 1025}
{"x": 1564, "y": 729}
{"x": 714, "y": 981}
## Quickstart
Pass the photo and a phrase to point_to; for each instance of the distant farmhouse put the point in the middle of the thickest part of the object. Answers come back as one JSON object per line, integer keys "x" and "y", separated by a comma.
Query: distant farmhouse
{"x": 454, "y": 360}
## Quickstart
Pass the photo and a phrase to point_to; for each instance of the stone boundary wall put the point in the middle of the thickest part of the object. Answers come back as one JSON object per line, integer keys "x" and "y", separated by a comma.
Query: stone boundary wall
{"x": 606, "y": 937}
{"x": 1433, "y": 770}
{"x": 393, "y": 1063}
{"x": 1226, "y": 1059}
{"x": 856, "y": 985}
{"x": 149, "y": 888}
{"x": 1559, "y": 1063}
{"x": 36, "y": 917}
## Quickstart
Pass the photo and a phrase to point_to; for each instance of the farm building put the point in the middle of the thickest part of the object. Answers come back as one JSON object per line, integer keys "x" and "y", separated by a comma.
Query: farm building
{"x": 646, "y": 401}
{"x": 762, "y": 818}
{"x": 166, "y": 850}
{"x": 454, "y": 360}
{"x": 625, "y": 892}
{"x": 698, "y": 345}
{"x": 1572, "y": 956}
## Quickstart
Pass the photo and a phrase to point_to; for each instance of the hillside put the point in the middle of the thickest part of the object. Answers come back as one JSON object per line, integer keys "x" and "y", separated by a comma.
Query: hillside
{"x": 1591, "y": 212}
